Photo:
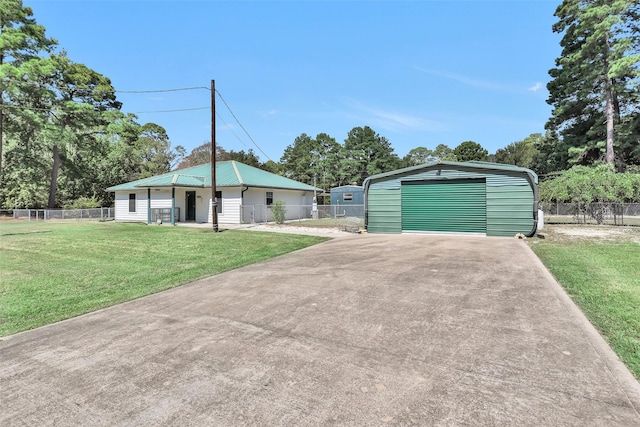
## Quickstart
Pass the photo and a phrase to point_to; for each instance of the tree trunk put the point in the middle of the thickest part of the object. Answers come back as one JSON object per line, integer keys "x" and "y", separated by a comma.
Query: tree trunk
{"x": 54, "y": 178}
{"x": 1, "y": 128}
{"x": 609, "y": 156}
{"x": 1, "y": 140}
{"x": 610, "y": 114}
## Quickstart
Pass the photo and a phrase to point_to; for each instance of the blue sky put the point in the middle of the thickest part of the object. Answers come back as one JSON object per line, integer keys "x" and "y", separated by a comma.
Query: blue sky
{"x": 419, "y": 73}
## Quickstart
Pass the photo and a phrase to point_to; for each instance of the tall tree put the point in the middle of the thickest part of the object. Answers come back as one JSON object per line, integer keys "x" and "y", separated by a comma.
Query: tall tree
{"x": 248, "y": 158}
{"x": 200, "y": 156}
{"x": 157, "y": 156}
{"x": 444, "y": 153}
{"x": 469, "y": 150}
{"x": 522, "y": 153}
{"x": 22, "y": 42}
{"x": 595, "y": 81}
{"x": 418, "y": 156}
{"x": 366, "y": 153}
{"x": 81, "y": 103}
{"x": 312, "y": 160}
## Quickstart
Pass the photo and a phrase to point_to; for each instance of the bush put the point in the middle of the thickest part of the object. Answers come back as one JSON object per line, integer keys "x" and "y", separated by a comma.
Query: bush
{"x": 279, "y": 211}
{"x": 83, "y": 203}
{"x": 586, "y": 185}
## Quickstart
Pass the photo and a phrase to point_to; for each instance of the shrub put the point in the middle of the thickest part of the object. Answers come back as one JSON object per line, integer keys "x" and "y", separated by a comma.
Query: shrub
{"x": 279, "y": 210}
{"x": 83, "y": 203}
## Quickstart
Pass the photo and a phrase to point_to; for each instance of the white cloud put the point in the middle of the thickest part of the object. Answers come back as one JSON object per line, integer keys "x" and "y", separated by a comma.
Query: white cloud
{"x": 269, "y": 113}
{"x": 479, "y": 83}
{"x": 536, "y": 87}
{"x": 469, "y": 81}
{"x": 393, "y": 120}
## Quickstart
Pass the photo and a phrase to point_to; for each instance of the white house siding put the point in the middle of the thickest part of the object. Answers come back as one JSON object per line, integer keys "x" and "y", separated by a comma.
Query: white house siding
{"x": 231, "y": 200}
{"x": 122, "y": 206}
{"x": 160, "y": 198}
{"x": 254, "y": 199}
{"x": 298, "y": 202}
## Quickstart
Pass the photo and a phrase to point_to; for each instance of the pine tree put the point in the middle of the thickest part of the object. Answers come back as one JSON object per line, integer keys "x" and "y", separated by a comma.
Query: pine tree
{"x": 22, "y": 42}
{"x": 595, "y": 81}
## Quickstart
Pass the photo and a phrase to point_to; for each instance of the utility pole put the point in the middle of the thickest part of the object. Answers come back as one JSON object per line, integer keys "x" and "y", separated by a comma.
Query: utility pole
{"x": 214, "y": 200}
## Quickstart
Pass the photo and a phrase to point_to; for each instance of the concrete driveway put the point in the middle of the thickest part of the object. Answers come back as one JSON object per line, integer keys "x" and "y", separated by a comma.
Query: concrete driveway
{"x": 365, "y": 330}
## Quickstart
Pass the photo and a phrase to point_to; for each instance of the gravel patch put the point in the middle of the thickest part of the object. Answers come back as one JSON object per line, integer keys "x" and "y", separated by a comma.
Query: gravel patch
{"x": 291, "y": 229}
{"x": 598, "y": 232}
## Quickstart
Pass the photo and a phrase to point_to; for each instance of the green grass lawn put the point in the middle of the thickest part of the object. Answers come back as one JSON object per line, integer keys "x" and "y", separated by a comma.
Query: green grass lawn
{"x": 602, "y": 275}
{"x": 54, "y": 271}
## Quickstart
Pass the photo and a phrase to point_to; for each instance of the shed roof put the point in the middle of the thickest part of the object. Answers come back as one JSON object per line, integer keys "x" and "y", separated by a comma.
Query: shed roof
{"x": 347, "y": 187}
{"x": 228, "y": 174}
{"x": 470, "y": 164}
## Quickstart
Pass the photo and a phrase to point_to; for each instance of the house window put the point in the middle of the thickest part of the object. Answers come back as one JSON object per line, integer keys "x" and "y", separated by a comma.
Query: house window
{"x": 269, "y": 198}
{"x": 219, "y": 202}
{"x": 132, "y": 202}
{"x": 347, "y": 197}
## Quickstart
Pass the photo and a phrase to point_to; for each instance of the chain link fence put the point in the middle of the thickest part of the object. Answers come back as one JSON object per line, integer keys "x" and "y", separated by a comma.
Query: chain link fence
{"x": 329, "y": 215}
{"x": 593, "y": 213}
{"x": 95, "y": 214}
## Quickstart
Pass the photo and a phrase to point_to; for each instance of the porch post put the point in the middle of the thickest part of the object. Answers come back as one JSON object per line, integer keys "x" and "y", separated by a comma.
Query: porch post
{"x": 148, "y": 206}
{"x": 173, "y": 205}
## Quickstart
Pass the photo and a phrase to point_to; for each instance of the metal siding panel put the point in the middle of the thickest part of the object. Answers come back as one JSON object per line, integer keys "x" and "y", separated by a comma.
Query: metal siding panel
{"x": 499, "y": 179}
{"x": 509, "y": 210}
{"x": 448, "y": 206}
{"x": 384, "y": 211}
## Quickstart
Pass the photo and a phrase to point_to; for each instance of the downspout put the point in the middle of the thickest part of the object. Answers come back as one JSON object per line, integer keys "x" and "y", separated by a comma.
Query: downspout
{"x": 366, "y": 204}
{"x": 173, "y": 205}
{"x": 242, "y": 204}
{"x": 148, "y": 205}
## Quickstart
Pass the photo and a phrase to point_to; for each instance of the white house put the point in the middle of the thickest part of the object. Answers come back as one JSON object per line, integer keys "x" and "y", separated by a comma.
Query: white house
{"x": 244, "y": 194}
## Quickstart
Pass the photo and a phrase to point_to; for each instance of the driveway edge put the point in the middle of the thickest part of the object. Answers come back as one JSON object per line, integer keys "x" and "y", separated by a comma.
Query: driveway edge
{"x": 619, "y": 371}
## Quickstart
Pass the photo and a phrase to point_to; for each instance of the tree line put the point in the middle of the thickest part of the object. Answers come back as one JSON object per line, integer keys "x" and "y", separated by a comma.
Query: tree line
{"x": 64, "y": 136}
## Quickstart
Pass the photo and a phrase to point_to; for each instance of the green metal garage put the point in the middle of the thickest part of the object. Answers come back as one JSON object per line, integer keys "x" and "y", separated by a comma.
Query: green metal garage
{"x": 453, "y": 197}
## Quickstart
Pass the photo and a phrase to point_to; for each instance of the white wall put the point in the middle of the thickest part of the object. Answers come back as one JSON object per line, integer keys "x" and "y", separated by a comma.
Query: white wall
{"x": 232, "y": 200}
{"x": 122, "y": 206}
{"x": 298, "y": 204}
{"x": 230, "y": 205}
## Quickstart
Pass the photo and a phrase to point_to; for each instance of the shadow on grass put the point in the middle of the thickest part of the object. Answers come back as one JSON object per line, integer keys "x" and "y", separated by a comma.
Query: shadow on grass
{"x": 25, "y": 232}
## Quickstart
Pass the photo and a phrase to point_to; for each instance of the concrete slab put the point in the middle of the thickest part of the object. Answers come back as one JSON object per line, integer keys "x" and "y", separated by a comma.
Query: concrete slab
{"x": 366, "y": 330}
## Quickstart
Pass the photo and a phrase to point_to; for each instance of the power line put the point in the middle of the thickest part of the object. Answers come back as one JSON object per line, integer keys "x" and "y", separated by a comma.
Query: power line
{"x": 245, "y": 131}
{"x": 21, "y": 107}
{"x": 229, "y": 127}
{"x": 164, "y": 90}
{"x": 172, "y": 111}
{"x": 177, "y": 110}
{"x": 192, "y": 109}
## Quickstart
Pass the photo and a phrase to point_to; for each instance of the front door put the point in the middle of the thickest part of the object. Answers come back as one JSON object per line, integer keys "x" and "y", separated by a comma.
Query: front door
{"x": 191, "y": 206}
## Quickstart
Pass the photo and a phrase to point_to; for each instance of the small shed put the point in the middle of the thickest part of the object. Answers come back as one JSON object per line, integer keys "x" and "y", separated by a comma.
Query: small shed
{"x": 347, "y": 195}
{"x": 347, "y": 201}
{"x": 453, "y": 197}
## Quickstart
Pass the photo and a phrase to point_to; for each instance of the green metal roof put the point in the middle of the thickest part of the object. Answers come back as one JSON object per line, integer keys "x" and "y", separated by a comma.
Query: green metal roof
{"x": 228, "y": 174}
{"x": 470, "y": 164}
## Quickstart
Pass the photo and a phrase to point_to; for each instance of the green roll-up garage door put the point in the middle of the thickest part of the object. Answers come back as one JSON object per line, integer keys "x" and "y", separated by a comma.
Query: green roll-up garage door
{"x": 449, "y": 206}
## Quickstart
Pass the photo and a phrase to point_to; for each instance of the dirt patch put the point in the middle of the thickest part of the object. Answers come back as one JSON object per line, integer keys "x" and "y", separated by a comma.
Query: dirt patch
{"x": 594, "y": 232}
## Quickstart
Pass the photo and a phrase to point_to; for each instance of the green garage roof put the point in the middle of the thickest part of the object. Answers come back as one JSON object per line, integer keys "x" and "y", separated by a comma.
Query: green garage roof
{"x": 469, "y": 164}
{"x": 228, "y": 174}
